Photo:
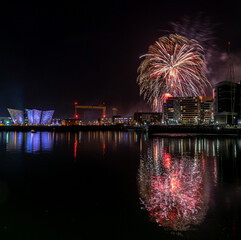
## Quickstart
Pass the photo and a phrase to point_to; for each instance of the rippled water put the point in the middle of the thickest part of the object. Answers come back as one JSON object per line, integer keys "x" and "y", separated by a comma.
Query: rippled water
{"x": 119, "y": 185}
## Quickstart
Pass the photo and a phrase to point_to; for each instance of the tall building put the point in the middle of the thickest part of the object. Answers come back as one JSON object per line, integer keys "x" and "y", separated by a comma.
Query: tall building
{"x": 207, "y": 112}
{"x": 226, "y": 102}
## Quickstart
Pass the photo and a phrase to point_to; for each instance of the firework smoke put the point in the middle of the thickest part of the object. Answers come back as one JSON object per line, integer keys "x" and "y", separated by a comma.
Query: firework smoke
{"x": 202, "y": 29}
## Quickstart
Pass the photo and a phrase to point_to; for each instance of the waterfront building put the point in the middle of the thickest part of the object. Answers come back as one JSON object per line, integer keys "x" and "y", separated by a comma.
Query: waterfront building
{"x": 47, "y": 117}
{"x": 226, "y": 102}
{"x": 182, "y": 110}
{"x": 71, "y": 122}
{"x": 5, "y": 121}
{"x": 17, "y": 116}
{"x": 31, "y": 116}
{"x": 148, "y": 117}
{"x": 122, "y": 120}
{"x": 105, "y": 121}
{"x": 207, "y": 112}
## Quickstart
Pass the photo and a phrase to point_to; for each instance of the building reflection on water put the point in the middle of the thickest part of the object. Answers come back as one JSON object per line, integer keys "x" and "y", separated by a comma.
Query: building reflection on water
{"x": 175, "y": 180}
{"x": 45, "y": 141}
{"x": 28, "y": 142}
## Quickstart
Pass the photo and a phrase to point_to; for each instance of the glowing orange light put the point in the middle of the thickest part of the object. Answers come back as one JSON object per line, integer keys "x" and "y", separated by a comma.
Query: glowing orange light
{"x": 167, "y": 160}
{"x": 174, "y": 183}
{"x": 75, "y": 148}
{"x": 103, "y": 149}
{"x": 104, "y": 116}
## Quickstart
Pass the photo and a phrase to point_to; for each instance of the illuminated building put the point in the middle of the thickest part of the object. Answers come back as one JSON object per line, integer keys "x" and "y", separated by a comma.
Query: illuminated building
{"x": 106, "y": 121}
{"x": 226, "y": 102}
{"x": 207, "y": 112}
{"x": 122, "y": 120}
{"x": 147, "y": 117}
{"x": 182, "y": 110}
{"x": 32, "y": 116}
{"x": 47, "y": 117}
{"x": 5, "y": 121}
{"x": 71, "y": 122}
{"x": 16, "y": 115}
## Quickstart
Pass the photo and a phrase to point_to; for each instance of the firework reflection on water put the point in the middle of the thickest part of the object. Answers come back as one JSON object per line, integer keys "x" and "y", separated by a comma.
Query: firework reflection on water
{"x": 174, "y": 188}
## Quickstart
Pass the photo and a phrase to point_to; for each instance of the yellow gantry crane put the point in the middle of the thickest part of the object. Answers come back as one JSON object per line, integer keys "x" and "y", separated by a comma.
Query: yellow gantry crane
{"x": 103, "y": 108}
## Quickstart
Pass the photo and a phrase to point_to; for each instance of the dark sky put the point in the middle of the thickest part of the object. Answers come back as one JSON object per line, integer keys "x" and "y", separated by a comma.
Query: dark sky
{"x": 53, "y": 55}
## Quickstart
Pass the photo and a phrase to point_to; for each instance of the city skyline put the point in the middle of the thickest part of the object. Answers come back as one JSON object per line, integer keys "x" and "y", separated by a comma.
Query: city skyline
{"x": 55, "y": 55}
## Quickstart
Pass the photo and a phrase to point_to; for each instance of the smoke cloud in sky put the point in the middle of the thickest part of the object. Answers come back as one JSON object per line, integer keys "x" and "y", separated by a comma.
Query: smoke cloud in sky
{"x": 202, "y": 29}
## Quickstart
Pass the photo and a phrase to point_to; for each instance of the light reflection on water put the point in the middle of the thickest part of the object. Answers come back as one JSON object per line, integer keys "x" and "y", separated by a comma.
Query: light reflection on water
{"x": 27, "y": 141}
{"x": 175, "y": 180}
{"x": 45, "y": 141}
{"x": 181, "y": 179}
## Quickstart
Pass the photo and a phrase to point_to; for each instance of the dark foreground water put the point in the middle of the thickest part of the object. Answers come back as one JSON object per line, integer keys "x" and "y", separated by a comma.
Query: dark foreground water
{"x": 119, "y": 185}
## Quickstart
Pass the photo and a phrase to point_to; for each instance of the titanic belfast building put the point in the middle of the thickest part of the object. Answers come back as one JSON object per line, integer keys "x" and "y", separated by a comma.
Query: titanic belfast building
{"x": 31, "y": 116}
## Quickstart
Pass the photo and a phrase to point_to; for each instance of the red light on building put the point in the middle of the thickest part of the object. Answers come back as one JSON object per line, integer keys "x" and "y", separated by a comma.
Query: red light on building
{"x": 165, "y": 96}
{"x": 228, "y": 43}
{"x": 76, "y": 115}
{"x": 104, "y": 116}
{"x": 75, "y": 103}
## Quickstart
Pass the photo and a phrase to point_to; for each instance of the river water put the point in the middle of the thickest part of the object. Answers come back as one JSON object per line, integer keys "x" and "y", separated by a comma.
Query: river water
{"x": 119, "y": 185}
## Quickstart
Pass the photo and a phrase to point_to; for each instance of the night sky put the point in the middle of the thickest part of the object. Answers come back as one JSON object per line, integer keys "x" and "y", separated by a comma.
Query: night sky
{"x": 54, "y": 55}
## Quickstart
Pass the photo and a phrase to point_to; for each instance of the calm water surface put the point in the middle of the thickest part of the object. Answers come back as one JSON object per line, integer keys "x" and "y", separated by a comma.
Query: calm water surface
{"x": 119, "y": 185}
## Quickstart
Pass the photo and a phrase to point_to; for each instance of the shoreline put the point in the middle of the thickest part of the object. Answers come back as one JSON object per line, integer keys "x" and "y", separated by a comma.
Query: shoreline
{"x": 152, "y": 130}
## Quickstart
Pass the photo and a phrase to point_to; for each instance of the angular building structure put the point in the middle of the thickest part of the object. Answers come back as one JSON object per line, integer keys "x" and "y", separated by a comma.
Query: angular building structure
{"x": 47, "y": 117}
{"x": 16, "y": 115}
{"x": 31, "y": 116}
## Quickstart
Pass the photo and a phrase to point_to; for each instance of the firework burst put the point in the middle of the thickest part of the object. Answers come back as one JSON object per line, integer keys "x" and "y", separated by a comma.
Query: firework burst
{"x": 173, "y": 65}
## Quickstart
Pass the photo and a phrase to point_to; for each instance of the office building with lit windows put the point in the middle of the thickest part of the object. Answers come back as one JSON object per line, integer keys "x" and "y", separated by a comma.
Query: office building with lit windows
{"x": 185, "y": 110}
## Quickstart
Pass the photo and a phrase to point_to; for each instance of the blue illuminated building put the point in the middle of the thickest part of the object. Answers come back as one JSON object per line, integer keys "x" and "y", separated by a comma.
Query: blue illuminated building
{"x": 47, "y": 117}
{"x": 32, "y": 116}
{"x": 16, "y": 115}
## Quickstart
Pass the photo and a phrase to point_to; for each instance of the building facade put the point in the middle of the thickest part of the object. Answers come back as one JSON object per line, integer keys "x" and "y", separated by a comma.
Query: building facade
{"x": 148, "y": 117}
{"x": 188, "y": 110}
{"x": 226, "y": 102}
{"x": 31, "y": 116}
